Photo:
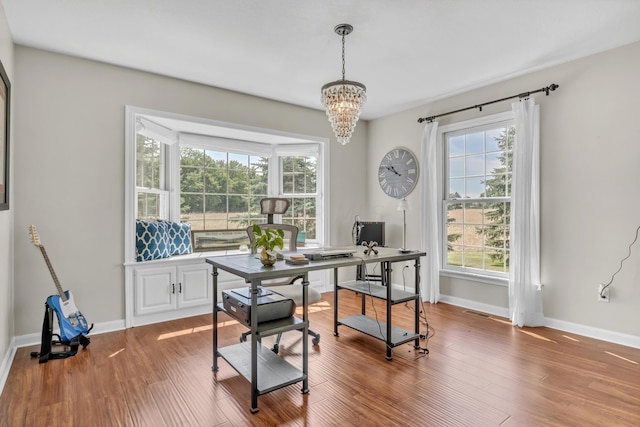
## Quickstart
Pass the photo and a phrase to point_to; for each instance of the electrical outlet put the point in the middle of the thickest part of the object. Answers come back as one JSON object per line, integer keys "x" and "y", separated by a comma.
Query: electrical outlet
{"x": 603, "y": 296}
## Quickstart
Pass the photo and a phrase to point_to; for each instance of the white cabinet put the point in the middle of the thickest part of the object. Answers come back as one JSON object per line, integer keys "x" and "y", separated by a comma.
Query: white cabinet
{"x": 171, "y": 288}
{"x": 168, "y": 290}
{"x": 154, "y": 290}
{"x": 194, "y": 286}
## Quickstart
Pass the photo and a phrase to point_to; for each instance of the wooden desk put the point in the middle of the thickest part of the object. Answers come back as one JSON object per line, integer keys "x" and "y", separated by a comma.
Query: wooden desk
{"x": 264, "y": 369}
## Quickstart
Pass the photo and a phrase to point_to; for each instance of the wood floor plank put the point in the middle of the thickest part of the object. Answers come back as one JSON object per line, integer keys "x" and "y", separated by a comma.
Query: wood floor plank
{"x": 480, "y": 371}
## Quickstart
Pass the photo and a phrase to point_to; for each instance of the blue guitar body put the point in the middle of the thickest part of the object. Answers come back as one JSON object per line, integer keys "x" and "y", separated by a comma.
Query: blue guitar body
{"x": 71, "y": 325}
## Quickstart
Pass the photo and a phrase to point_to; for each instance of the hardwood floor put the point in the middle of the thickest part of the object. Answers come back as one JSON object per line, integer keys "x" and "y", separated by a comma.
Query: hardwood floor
{"x": 480, "y": 371}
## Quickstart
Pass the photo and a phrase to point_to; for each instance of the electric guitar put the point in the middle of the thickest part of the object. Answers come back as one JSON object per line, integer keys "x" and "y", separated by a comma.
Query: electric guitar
{"x": 72, "y": 322}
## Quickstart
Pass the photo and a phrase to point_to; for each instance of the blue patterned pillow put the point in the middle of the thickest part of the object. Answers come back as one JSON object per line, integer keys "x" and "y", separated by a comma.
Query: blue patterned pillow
{"x": 179, "y": 238}
{"x": 152, "y": 240}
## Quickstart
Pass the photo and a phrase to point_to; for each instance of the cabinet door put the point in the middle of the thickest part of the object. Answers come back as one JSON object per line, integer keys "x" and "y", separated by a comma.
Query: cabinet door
{"x": 194, "y": 286}
{"x": 155, "y": 290}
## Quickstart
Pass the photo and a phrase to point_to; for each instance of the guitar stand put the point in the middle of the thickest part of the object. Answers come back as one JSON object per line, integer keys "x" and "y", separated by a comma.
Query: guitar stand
{"x": 49, "y": 340}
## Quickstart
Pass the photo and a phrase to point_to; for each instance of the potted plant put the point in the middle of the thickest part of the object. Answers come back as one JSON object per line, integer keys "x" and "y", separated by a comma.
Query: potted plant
{"x": 268, "y": 239}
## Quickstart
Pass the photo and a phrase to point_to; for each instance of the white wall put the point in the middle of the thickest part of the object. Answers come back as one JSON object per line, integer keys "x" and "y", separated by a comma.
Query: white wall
{"x": 6, "y": 219}
{"x": 590, "y": 155}
{"x": 69, "y": 170}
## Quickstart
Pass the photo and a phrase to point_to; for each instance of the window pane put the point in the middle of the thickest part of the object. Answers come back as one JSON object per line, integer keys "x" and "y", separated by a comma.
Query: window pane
{"x": 238, "y": 212}
{"x": 258, "y": 173}
{"x": 474, "y": 165}
{"x": 191, "y": 179}
{"x": 474, "y": 187}
{"x": 492, "y": 137}
{"x": 287, "y": 183}
{"x": 456, "y": 188}
{"x": 215, "y": 158}
{"x": 148, "y": 163}
{"x": 238, "y": 181}
{"x": 238, "y": 160}
{"x": 148, "y": 206}
{"x": 287, "y": 164}
{"x": 311, "y": 175}
{"x": 456, "y": 146}
{"x": 493, "y": 162}
{"x": 475, "y": 143}
{"x": 473, "y": 258}
{"x": 456, "y": 167}
{"x": 497, "y": 261}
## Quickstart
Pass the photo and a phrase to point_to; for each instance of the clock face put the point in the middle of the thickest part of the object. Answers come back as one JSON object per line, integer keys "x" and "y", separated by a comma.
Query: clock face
{"x": 398, "y": 173}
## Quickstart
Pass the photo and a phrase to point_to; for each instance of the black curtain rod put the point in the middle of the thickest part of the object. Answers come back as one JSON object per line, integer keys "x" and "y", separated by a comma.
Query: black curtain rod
{"x": 546, "y": 90}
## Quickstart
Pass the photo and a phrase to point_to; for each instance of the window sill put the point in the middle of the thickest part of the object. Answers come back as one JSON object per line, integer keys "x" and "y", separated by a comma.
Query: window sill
{"x": 489, "y": 280}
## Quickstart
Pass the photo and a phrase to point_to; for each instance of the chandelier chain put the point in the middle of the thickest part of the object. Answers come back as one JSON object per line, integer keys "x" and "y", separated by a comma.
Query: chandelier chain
{"x": 343, "y": 74}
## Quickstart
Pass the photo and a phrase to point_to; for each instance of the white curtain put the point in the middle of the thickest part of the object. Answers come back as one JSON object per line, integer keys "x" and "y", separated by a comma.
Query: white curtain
{"x": 431, "y": 160}
{"x": 525, "y": 292}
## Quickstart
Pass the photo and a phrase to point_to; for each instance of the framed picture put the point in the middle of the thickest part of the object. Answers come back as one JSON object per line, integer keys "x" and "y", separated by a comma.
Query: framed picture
{"x": 216, "y": 240}
{"x": 5, "y": 102}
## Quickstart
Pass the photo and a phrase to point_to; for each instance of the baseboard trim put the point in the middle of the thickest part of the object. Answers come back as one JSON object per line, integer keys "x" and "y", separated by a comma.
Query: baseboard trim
{"x": 475, "y": 305}
{"x": 7, "y": 361}
{"x": 98, "y": 328}
{"x": 591, "y": 332}
{"x": 561, "y": 325}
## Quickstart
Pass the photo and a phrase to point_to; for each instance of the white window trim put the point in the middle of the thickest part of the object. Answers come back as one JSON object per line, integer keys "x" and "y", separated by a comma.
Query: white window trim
{"x": 465, "y": 273}
{"x": 228, "y": 132}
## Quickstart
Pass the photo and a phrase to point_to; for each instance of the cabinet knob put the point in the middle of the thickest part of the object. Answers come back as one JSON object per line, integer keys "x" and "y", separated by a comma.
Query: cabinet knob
{"x": 173, "y": 288}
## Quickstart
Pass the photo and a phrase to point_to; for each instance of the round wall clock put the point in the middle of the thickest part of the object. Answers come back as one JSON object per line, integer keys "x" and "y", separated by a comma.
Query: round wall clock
{"x": 398, "y": 173}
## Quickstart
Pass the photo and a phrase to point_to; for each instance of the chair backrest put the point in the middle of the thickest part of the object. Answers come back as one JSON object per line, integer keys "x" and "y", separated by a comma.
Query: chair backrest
{"x": 273, "y": 205}
{"x": 290, "y": 235}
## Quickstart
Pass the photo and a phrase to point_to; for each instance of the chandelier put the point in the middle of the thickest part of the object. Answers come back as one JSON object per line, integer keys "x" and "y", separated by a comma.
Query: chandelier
{"x": 343, "y": 99}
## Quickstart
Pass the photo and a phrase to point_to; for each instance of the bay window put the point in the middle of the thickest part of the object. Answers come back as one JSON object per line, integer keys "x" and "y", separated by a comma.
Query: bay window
{"x": 213, "y": 175}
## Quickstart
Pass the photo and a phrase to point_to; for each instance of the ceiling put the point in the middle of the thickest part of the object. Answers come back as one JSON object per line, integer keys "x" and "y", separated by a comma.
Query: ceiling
{"x": 407, "y": 52}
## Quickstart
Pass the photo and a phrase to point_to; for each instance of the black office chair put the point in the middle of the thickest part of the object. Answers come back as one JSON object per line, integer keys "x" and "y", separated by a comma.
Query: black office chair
{"x": 287, "y": 287}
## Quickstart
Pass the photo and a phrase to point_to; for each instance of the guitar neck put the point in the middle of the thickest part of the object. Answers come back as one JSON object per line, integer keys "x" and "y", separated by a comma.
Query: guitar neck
{"x": 53, "y": 274}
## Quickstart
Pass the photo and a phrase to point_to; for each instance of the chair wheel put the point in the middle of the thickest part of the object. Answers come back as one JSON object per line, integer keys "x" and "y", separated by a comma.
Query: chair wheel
{"x": 275, "y": 348}
{"x": 316, "y": 340}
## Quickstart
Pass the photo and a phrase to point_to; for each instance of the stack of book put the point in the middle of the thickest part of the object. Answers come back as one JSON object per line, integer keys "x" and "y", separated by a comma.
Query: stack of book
{"x": 297, "y": 259}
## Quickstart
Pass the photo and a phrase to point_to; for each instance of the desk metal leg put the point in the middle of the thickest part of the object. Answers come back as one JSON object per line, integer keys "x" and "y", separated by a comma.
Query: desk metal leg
{"x": 335, "y": 302}
{"x": 386, "y": 274}
{"x": 215, "y": 319}
{"x": 416, "y": 344}
{"x": 254, "y": 345}
{"x": 305, "y": 333}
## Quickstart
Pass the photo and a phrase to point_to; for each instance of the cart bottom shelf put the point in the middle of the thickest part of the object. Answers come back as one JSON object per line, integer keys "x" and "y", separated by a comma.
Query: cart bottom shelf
{"x": 378, "y": 329}
{"x": 273, "y": 371}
